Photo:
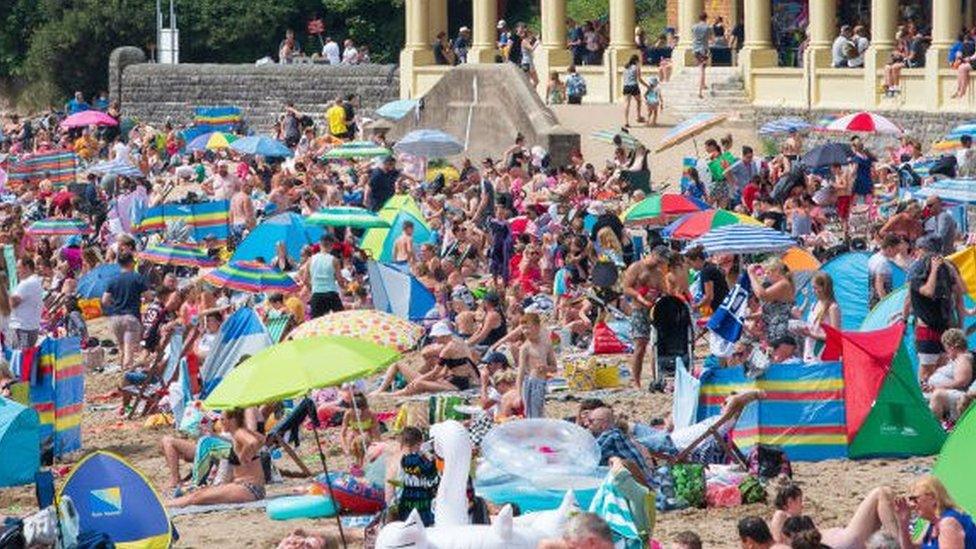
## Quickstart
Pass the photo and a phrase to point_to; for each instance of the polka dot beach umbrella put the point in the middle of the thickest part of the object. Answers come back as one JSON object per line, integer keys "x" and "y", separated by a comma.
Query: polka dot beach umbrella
{"x": 696, "y": 224}
{"x": 659, "y": 207}
{"x": 252, "y": 277}
{"x": 55, "y": 226}
{"x": 864, "y": 122}
{"x": 211, "y": 141}
{"x": 182, "y": 254}
{"x": 367, "y": 325}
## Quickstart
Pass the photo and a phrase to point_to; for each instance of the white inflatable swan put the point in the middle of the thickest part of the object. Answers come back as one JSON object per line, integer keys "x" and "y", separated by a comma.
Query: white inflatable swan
{"x": 453, "y": 444}
{"x": 505, "y": 532}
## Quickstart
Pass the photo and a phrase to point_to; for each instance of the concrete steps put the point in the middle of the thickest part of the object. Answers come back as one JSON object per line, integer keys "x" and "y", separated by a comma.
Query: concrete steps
{"x": 725, "y": 94}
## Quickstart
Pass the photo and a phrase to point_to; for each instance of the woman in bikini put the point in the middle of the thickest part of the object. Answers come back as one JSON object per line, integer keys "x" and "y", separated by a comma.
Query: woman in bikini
{"x": 359, "y": 429}
{"x": 455, "y": 370}
{"x": 248, "y": 474}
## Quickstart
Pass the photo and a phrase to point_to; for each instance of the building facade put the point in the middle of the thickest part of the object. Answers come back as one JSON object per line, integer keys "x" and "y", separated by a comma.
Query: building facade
{"x": 813, "y": 85}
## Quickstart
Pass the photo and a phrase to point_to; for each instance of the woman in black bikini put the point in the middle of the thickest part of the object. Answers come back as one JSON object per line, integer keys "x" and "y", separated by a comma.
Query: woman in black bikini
{"x": 248, "y": 482}
{"x": 455, "y": 370}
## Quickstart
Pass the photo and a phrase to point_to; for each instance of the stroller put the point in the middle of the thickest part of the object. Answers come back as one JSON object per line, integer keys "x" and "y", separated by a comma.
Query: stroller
{"x": 674, "y": 329}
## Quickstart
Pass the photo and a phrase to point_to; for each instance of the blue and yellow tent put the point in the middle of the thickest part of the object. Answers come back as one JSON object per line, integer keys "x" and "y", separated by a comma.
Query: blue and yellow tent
{"x": 116, "y": 499}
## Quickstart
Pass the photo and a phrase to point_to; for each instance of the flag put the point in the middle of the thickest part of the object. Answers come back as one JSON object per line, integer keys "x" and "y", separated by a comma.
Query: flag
{"x": 58, "y": 166}
{"x": 241, "y": 335}
{"x": 725, "y": 325}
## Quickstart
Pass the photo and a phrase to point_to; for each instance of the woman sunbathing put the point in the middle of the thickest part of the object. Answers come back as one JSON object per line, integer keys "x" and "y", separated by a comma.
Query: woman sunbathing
{"x": 248, "y": 474}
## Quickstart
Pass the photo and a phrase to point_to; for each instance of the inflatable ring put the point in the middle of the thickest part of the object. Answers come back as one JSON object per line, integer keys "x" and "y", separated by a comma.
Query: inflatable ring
{"x": 535, "y": 448}
{"x": 294, "y": 507}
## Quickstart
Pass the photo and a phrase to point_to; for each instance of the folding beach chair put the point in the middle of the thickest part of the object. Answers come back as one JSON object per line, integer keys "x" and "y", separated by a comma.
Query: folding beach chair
{"x": 147, "y": 395}
{"x": 284, "y": 436}
{"x": 279, "y": 325}
{"x": 714, "y": 432}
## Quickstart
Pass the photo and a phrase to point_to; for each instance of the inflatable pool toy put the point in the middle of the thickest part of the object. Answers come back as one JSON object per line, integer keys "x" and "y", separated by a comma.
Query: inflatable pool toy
{"x": 505, "y": 532}
{"x": 354, "y": 494}
{"x": 501, "y": 488}
{"x": 453, "y": 445}
{"x": 539, "y": 448}
{"x": 294, "y": 507}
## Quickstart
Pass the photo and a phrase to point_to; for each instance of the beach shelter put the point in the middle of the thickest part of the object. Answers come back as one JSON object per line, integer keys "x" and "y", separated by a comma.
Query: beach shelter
{"x": 241, "y": 335}
{"x": 398, "y": 292}
{"x": 955, "y": 460}
{"x": 886, "y": 414}
{"x": 397, "y": 210}
{"x": 849, "y": 272}
{"x": 288, "y": 227}
{"x": 114, "y": 498}
{"x": 802, "y": 265}
{"x": 92, "y": 285}
{"x": 20, "y": 443}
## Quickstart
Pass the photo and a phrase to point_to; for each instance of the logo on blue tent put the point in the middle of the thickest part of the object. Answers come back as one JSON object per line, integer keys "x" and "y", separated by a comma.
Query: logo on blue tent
{"x": 105, "y": 502}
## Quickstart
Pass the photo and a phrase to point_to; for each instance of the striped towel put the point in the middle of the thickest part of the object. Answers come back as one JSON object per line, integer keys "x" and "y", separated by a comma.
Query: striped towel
{"x": 613, "y": 506}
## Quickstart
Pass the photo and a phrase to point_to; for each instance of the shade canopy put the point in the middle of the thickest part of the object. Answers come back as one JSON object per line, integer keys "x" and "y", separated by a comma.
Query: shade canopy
{"x": 657, "y": 207}
{"x": 293, "y": 368}
{"x": 395, "y": 110}
{"x": 87, "y": 118}
{"x": 783, "y": 125}
{"x": 828, "y": 154}
{"x": 696, "y": 224}
{"x": 56, "y": 226}
{"x": 864, "y": 122}
{"x": 689, "y": 128}
{"x": 211, "y": 141}
{"x": 367, "y": 325}
{"x": 356, "y": 149}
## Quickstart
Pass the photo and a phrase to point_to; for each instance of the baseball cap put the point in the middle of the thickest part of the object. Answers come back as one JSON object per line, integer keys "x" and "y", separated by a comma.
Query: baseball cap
{"x": 495, "y": 357}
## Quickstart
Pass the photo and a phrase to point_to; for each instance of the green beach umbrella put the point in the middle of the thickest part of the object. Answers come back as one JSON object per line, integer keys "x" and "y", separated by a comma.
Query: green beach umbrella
{"x": 347, "y": 216}
{"x": 356, "y": 149}
{"x": 292, "y": 369}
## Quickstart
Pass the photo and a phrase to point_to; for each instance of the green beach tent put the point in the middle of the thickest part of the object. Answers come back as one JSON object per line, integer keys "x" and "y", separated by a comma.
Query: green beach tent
{"x": 397, "y": 210}
{"x": 952, "y": 466}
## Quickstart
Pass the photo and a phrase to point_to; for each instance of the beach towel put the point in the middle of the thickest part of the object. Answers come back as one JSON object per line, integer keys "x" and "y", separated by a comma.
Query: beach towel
{"x": 684, "y": 408}
{"x": 627, "y": 507}
{"x": 726, "y": 324}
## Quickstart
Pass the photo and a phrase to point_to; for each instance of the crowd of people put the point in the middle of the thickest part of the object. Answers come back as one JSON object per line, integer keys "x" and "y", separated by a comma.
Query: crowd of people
{"x": 518, "y": 246}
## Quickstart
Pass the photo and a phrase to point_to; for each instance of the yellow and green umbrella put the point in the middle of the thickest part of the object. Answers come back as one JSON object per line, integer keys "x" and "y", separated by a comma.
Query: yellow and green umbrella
{"x": 347, "y": 216}
{"x": 294, "y": 368}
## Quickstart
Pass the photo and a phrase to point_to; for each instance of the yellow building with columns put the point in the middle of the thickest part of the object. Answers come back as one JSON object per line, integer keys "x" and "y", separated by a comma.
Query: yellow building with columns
{"x": 815, "y": 85}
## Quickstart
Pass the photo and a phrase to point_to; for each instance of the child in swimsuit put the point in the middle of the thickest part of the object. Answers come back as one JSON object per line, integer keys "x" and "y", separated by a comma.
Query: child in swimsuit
{"x": 359, "y": 428}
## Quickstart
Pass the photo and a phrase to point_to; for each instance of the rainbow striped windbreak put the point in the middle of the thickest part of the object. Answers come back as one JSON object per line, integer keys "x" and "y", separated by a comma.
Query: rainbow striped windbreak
{"x": 216, "y": 119}
{"x": 60, "y": 167}
{"x": 59, "y": 394}
{"x": 802, "y": 411}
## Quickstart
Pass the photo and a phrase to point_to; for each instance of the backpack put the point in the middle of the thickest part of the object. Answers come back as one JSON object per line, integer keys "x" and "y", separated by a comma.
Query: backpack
{"x": 575, "y": 86}
{"x": 689, "y": 483}
{"x": 767, "y": 462}
{"x": 752, "y": 490}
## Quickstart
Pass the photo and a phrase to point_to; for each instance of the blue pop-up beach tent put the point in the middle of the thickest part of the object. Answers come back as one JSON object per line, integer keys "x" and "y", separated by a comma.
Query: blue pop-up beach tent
{"x": 20, "y": 443}
{"x": 852, "y": 286}
{"x": 398, "y": 292}
{"x": 288, "y": 227}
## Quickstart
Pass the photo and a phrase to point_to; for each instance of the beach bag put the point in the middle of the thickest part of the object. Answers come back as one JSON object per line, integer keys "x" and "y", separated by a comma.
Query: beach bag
{"x": 41, "y": 528}
{"x": 441, "y": 408}
{"x": 605, "y": 341}
{"x": 767, "y": 461}
{"x": 723, "y": 495}
{"x": 689, "y": 483}
{"x": 579, "y": 374}
{"x": 752, "y": 490}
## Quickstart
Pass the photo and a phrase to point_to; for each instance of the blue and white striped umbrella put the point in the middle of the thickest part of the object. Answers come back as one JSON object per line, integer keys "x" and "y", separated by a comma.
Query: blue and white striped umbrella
{"x": 785, "y": 125}
{"x": 429, "y": 144}
{"x": 744, "y": 239}
{"x": 119, "y": 166}
{"x": 961, "y": 191}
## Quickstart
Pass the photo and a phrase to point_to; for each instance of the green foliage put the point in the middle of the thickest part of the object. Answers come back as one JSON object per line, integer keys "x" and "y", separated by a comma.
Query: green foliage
{"x": 18, "y": 19}
{"x": 377, "y": 23}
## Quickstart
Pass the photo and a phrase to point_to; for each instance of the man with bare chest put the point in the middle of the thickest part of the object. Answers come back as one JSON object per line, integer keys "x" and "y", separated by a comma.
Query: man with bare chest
{"x": 643, "y": 283}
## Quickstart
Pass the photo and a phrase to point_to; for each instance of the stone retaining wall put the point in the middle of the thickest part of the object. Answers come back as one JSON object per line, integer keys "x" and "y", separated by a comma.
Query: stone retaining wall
{"x": 155, "y": 93}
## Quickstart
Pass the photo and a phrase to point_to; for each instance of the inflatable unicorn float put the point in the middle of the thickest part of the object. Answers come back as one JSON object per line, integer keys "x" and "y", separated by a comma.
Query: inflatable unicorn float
{"x": 452, "y": 528}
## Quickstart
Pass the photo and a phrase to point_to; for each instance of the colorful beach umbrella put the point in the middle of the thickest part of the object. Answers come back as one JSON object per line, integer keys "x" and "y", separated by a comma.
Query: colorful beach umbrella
{"x": 427, "y": 143}
{"x": 696, "y": 224}
{"x": 57, "y": 226}
{"x": 690, "y": 128}
{"x": 87, "y": 118}
{"x": 395, "y": 110}
{"x": 177, "y": 253}
{"x": 744, "y": 239}
{"x": 610, "y": 137}
{"x": 657, "y": 207}
{"x": 864, "y": 122}
{"x": 251, "y": 276}
{"x": 356, "y": 149}
{"x": 211, "y": 141}
{"x": 368, "y": 325}
{"x": 262, "y": 145}
{"x": 347, "y": 216}
{"x": 294, "y": 368}
{"x": 785, "y": 125}
{"x": 120, "y": 166}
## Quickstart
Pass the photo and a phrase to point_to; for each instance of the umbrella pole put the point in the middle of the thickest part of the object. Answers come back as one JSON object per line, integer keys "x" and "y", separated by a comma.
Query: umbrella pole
{"x": 325, "y": 467}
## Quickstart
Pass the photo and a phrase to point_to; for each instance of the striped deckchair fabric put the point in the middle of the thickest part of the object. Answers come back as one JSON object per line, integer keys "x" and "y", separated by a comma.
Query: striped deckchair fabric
{"x": 802, "y": 411}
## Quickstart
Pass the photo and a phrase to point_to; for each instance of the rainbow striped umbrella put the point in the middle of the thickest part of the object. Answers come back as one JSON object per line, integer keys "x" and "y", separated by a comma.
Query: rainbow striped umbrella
{"x": 251, "y": 276}
{"x": 179, "y": 253}
{"x": 211, "y": 141}
{"x": 696, "y": 224}
{"x": 58, "y": 226}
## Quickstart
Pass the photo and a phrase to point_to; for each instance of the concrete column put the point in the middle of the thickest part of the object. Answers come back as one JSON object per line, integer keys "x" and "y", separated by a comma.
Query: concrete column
{"x": 437, "y": 20}
{"x": 622, "y": 45}
{"x": 484, "y": 40}
{"x": 823, "y": 30}
{"x": 884, "y": 22}
{"x": 967, "y": 9}
{"x": 417, "y": 51}
{"x": 945, "y": 25}
{"x": 554, "y": 53}
{"x": 688, "y": 12}
{"x": 757, "y": 48}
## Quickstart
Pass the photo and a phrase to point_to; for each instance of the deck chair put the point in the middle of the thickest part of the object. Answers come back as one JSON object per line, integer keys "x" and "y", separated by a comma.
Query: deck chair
{"x": 145, "y": 397}
{"x": 279, "y": 325}
{"x": 731, "y": 413}
{"x": 284, "y": 436}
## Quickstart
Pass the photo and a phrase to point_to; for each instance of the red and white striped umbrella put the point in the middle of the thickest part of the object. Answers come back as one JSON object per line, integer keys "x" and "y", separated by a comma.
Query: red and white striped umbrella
{"x": 864, "y": 122}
